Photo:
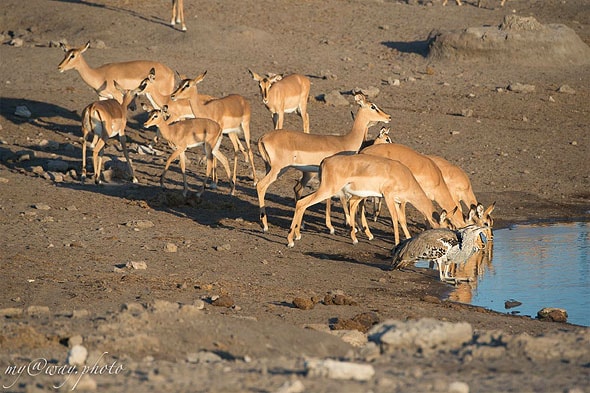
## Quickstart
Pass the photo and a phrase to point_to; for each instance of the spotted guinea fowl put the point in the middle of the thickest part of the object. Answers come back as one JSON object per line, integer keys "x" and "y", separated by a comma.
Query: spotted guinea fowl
{"x": 442, "y": 246}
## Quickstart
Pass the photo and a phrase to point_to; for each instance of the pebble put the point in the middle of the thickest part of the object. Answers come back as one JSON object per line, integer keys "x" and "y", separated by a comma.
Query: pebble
{"x": 223, "y": 247}
{"x": 335, "y": 98}
{"x": 458, "y": 387}
{"x": 303, "y": 303}
{"x": 552, "y": 314}
{"x": 334, "y": 369}
{"x": 77, "y": 355}
{"x": 136, "y": 265}
{"x": 57, "y": 166}
{"x": 521, "y": 88}
{"x": 37, "y": 310}
{"x": 566, "y": 89}
{"x": 295, "y": 386}
{"x": 41, "y": 206}
{"x": 203, "y": 357}
{"x": 22, "y": 111}
{"x": 223, "y": 301}
{"x": 170, "y": 247}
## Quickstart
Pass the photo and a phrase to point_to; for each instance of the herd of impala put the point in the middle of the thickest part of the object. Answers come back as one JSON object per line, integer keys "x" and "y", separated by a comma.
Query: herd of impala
{"x": 185, "y": 119}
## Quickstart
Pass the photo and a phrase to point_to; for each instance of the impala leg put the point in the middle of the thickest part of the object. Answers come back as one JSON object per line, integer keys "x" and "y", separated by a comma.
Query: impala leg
{"x": 235, "y": 142}
{"x": 304, "y": 115}
{"x": 364, "y": 222}
{"x": 225, "y": 163}
{"x": 354, "y": 203}
{"x": 123, "y": 140}
{"x": 183, "y": 170}
{"x": 180, "y": 12}
{"x": 170, "y": 160}
{"x": 402, "y": 219}
{"x": 83, "y": 177}
{"x": 261, "y": 188}
{"x": 246, "y": 130}
{"x": 328, "y": 214}
{"x": 393, "y": 210}
{"x": 300, "y": 207}
{"x": 275, "y": 121}
{"x": 97, "y": 159}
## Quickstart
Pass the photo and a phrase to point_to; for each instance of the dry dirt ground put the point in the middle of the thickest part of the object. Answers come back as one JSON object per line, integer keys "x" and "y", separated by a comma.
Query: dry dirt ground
{"x": 66, "y": 248}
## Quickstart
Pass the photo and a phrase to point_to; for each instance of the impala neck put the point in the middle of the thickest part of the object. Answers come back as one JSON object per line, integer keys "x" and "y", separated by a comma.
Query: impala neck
{"x": 359, "y": 131}
{"x": 90, "y": 75}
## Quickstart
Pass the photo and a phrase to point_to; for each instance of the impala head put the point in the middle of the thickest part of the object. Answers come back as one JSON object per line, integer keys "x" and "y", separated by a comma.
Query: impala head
{"x": 265, "y": 83}
{"x": 372, "y": 113}
{"x": 155, "y": 118}
{"x": 72, "y": 57}
{"x": 444, "y": 221}
{"x": 187, "y": 88}
{"x": 480, "y": 216}
{"x": 383, "y": 136}
{"x": 128, "y": 95}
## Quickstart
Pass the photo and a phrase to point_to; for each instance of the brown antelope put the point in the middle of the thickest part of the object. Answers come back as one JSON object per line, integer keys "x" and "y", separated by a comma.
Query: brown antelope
{"x": 106, "y": 119}
{"x": 186, "y": 134}
{"x": 362, "y": 176}
{"x": 128, "y": 74}
{"x": 457, "y": 181}
{"x": 231, "y": 112}
{"x": 178, "y": 109}
{"x": 178, "y": 14}
{"x": 283, "y": 149}
{"x": 425, "y": 171}
{"x": 284, "y": 94}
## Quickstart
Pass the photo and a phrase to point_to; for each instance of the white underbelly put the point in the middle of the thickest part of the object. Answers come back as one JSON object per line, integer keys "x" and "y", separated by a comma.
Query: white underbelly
{"x": 361, "y": 193}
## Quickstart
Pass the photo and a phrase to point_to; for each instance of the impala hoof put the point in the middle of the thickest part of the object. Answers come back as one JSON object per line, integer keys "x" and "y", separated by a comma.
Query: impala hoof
{"x": 290, "y": 244}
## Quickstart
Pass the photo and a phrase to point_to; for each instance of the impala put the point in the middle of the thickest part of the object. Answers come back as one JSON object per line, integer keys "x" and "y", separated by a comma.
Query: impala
{"x": 362, "y": 176}
{"x": 425, "y": 171}
{"x": 283, "y": 149}
{"x": 186, "y": 134}
{"x": 106, "y": 119}
{"x": 128, "y": 74}
{"x": 178, "y": 13}
{"x": 480, "y": 216}
{"x": 177, "y": 110}
{"x": 232, "y": 113}
{"x": 284, "y": 94}
{"x": 457, "y": 181}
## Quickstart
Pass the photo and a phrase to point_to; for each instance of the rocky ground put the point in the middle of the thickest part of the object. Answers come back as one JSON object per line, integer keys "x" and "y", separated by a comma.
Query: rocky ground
{"x": 188, "y": 294}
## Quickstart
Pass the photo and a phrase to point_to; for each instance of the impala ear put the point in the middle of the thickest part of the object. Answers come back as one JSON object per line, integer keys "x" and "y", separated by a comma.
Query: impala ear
{"x": 199, "y": 78}
{"x": 152, "y": 74}
{"x": 64, "y": 47}
{"x": 255, "y": 76}
{"x": 490, "y": 209}
{"x": 360, "y": 99}
{"x": 86, "y": 47}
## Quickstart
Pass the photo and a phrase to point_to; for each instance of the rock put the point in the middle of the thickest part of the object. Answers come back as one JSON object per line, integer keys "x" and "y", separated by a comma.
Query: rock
{"x": 458, "y": 387}
{"x": 466, "y": 112}
{"x": 356, "y": 338}
{"x": 203, "y": 357}
{"x": 22, "y": 111}
{"x": 552, "y": 314}
{"x": 140, "y": 224}
{"x": 431, "y": 299}
{"x": 58, "y": 166}
{"x": 49, "y": 145}
{"x": 36, "y": 311}
{"x": 80, "y": 313}
{"x": 170, "y": 247}
{"x": 223, "y": 301}
{"x": 521, "y": 88}
{"x": 223, "y": 247}
{"x": 75, "y": 340}
{"x": 16, "y": 42}
{"x": 335, "y": 369}
{"x": 77, "y": 355}
{"x": 11, "y": 312}
{"x": 303, "y": 303}
{"x": 334, "y": 98}
{"x": 423, "y": 335}
{"x": 508, "y": 304}
{"x": 370, "y": 92}
{"x": 566, "y": 89}
{"x": 136, "y": 265}
{"x": 295, "y": 386}
{"x": 361, "y": 322}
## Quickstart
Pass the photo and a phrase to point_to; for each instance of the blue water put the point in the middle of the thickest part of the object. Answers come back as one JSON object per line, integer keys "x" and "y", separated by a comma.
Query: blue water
{"x": 539, "y": 266}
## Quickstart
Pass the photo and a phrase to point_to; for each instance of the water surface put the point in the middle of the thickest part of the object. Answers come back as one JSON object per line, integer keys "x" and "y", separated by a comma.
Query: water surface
{"x": 538, "y": 265}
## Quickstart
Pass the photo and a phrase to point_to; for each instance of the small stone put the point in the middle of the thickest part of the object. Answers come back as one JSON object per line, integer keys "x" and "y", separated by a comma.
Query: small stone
{"x": 36, "y": 311}
{"x": 335, "y": 369}
{"x": 136, "y": 265}
{"x": 41, "y": 206}
{"x": 295, "y": 386}
{"x": 57, "y": 166}
{"x": 551, "y": 99}
{"x": 11, "y": 312}
{"x": 334, "y": 98}
{"x": 203, "y": 357}
{"x": 552, "y": 314}
{"x": 223, "y": 247}
{"x": 16, "y": 42}
{"x": 430, "y": 299}
{"x": 75, "y": 340}
{"x": 80, "y": 313}
{"x": 508, "y": 304}
{"x": 199, "y": 304}
{"x": 458, "y": 387}
{"x": 3, "y": 180}
{"x": 223, "y": 301}
{"x": 22, "y": 111}
{"x": 466, "y": 112}
{"x": 566, "y": 89}
{"x": 170, "y": 247}
{"x": 521, "y": 88}
{"x": 303, "y": 303}
{"x": 77, "y": 355}
{"x": 574, "y": 143}
{"x": 140, "y": 224}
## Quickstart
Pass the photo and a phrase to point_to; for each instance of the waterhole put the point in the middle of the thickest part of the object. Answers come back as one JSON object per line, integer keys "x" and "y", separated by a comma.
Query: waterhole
{"x": 531, "y": 267}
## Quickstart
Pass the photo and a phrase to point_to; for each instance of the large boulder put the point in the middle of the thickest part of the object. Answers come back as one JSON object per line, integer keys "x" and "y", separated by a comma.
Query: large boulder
{"x": 521, "y": 40}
